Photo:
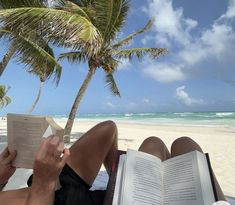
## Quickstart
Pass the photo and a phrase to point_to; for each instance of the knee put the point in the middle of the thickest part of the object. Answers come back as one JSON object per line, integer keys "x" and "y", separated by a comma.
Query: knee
{"x": 182, "y": 141}
{"x": 185, "y": 144}
{"x": 108, "y": 127}
{"x": 153, "y": 142}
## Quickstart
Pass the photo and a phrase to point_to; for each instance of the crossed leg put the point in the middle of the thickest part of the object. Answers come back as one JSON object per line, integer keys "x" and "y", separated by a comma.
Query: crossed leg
{"x": 95, "y": 147}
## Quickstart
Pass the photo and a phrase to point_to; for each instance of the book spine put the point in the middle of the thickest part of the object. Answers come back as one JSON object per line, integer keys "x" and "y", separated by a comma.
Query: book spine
{"x": 108, "y": 200}
{"x": 211, "y": 176}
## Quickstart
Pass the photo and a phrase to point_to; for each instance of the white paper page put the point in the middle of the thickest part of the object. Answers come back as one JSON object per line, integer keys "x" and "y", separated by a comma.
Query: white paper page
{"x": 181, "y": 181}
{"x": 143, "y": 181}
{"x": 24, "y": 136}
{"x": 49, "y": 131}
{"x": 119, "y": 182}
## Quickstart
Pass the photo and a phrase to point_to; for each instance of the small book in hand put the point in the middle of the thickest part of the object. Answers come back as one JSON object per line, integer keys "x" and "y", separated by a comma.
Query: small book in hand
{"x": 25, "y": 133}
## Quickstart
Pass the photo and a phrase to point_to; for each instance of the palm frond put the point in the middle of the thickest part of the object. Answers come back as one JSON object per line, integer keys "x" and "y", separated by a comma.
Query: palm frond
{"x": 74, "y": 8}
{"x": 83, "y": 3}
{"x": 28, "y": 52}
{"x": 131, "y": 36}
{"x": 139, "y": 53}
{"x": 56, "y": 26}
{"x": 7, "y": 4}
{"x": 6, "y": 58}
{"x": 110, "y": 17}
{"x": 110, "y": 82}
{"x": 73, "y": 57}
{"x": 120, "y": 19}
{"x": 104, "y": 10}
{"x": 4, "y": 100}
{"x": 45, "y": 71}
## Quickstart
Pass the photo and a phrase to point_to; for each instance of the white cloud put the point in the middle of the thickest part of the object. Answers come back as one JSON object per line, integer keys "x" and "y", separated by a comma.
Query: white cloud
{"x": 172, "y": 29}
{"x": 230, "y": 12}
{"x": 164, "y": 72}
{"x": 170, "y": 23}
{"x": 111, "y": 105}
{"x": 185, "y": 99}
{"x": 124, "y": 65}
{"x": 146, "y": 100}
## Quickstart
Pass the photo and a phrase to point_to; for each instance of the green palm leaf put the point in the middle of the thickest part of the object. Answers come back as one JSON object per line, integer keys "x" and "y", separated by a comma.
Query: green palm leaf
{"x": 131, "y": 36}
{"x": 59, "y": 27}
{"x": 73, "y": 57}
{"x": 110, "y": 82}
{"x": 4, "y": 100}
{"x": 139, "y": 52}
{"x": 28, "y": 52}
{"x": 83, "y": 3}
{"x": 75, "y": 9}
{"x": 110, "y": 17}
{"x": 6, "y": 4}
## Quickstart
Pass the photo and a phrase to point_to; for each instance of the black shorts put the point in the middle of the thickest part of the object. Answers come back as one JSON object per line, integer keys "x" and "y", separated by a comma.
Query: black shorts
{"x": 74, "y": 191}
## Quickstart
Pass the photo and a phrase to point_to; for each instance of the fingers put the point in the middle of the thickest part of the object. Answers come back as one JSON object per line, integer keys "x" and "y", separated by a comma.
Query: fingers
{"x": 52, "y": 147}
{"x": 9, "y": 158}
{"x": 48, "y": 146}
{"x": 5, "y": 152}
{"x": 58, "y": 152}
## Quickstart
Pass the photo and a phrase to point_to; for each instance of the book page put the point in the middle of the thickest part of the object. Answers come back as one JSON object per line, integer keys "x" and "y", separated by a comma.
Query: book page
{"x": 119, "y": 181}
{"x": 143, "y": 180}
{"x": 181, "y": 180}
{"x": 25, "y": 135}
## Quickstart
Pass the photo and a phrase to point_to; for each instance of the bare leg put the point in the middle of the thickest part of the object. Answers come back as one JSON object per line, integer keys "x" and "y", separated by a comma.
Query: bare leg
{"x": 97, "y": 146}
{"x": 185, "y": 144}
{"x": 156, "y": 147}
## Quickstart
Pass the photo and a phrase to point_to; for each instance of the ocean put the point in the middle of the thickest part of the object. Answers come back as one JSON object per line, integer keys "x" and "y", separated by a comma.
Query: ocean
{"x": 166, "y": 118}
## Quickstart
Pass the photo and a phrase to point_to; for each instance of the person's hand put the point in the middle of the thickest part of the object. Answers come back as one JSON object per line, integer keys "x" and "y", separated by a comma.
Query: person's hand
{"x": 49, "y": 161}
{"x": 6, "y": 168}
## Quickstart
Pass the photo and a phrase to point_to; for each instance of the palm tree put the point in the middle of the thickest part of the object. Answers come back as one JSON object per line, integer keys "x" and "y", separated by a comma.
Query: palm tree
{"x": 109, "y": 17}
{"x": 7, "y": 4}
{"x": 28, "y": 29}
{"x": 89, "y": 27}
{"x": 4, "y": 99}
{"x": 15, "y": 47}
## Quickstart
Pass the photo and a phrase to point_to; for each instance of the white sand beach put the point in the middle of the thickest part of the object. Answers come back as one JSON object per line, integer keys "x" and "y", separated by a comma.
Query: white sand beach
{"x": 218, "y": 141}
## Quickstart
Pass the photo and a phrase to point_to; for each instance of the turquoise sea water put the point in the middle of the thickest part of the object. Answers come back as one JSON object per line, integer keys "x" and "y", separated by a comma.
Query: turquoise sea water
{"x": 183, "y": 118}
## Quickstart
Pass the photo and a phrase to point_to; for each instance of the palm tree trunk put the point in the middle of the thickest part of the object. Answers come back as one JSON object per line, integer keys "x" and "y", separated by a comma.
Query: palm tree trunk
{"x": 6, "y": 59}
{"x": 38, "y": 97}
{"x": 73, "y": 112}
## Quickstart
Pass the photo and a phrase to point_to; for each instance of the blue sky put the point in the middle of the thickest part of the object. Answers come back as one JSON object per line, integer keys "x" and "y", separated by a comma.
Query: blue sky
{"x": 198, "y": 73}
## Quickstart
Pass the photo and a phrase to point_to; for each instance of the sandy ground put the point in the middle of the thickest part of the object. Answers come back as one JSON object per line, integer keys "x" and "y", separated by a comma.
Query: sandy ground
{"x": 218, "y": 141}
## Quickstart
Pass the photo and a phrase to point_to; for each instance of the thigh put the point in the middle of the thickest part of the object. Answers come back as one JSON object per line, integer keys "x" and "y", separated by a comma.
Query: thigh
{"x": 155, "y": 146}
{"x": 89, "y": 152}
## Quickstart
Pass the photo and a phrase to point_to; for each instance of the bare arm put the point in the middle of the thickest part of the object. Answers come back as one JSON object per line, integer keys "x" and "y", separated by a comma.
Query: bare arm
{"x": 47, "y": 167}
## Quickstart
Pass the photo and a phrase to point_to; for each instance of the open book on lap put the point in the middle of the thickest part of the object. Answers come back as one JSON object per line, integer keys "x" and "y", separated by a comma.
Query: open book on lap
{"x": 143, "y": 179}
{"x": 25, "y": 133}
